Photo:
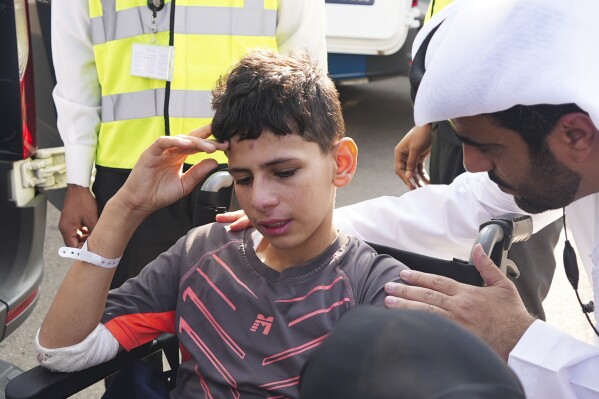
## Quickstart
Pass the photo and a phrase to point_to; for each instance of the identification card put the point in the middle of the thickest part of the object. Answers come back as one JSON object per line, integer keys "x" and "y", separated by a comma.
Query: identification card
{"x": 152, "y": 61}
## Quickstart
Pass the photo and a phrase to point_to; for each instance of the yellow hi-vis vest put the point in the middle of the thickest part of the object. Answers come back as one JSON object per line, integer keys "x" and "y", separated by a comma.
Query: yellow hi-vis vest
{"x": 209, "y": 37}
{"x": 434, "y": 7}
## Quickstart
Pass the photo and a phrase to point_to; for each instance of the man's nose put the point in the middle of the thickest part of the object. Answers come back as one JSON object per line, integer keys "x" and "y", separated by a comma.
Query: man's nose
{"x": 475, "y": 160}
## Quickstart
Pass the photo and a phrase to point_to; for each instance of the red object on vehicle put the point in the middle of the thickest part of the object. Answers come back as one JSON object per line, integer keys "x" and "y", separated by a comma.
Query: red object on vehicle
{"x": 20, "y": 308}
{"x": 27, "y": 92}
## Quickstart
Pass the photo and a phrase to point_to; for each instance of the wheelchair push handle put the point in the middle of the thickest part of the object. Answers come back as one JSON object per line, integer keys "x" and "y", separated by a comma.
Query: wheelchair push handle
{"x": 216, "y": 181}
{"x": 209, "y": 202}
{"x": 498, "y": 235}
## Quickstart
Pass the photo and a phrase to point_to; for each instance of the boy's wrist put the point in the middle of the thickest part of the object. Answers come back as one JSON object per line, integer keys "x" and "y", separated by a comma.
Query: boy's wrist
{"x": 122, "y": 207}
{"x": 114, "y": 229}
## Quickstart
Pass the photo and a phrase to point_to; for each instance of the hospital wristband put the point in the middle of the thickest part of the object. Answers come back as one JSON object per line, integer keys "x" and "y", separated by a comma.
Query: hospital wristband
{"x": 84, "y": 255}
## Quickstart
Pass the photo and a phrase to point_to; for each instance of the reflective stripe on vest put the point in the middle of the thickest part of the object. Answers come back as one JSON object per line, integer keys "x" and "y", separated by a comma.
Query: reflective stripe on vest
{"x": 204, "y": 21}
{"x": 208, "y": 40}
{"x": 143, "y": 104}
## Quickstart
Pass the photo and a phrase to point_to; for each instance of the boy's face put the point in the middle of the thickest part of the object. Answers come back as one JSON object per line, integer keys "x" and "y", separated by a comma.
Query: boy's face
{"x": 285, "y": 185}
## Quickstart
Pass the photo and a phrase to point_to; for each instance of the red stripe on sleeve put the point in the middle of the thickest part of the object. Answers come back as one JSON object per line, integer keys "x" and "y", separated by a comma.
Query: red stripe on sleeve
{"x": 133, "y": 330}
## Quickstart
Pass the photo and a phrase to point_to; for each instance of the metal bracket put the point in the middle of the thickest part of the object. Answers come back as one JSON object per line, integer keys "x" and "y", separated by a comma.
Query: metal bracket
{"x": 46, "y": 172}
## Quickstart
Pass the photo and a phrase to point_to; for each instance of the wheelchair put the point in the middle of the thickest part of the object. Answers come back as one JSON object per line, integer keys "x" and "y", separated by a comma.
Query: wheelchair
{"x": 496, "y": 237}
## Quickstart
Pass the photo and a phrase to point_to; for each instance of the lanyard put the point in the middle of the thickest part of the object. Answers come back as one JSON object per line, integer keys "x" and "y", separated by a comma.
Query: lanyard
{"x": 155, "y": 6}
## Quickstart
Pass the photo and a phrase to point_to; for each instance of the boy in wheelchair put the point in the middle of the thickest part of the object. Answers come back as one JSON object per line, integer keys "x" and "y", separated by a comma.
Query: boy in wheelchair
{"x": 248, "y": 307}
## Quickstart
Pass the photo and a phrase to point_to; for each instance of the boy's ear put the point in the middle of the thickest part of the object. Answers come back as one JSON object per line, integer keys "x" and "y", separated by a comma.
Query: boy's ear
{"x": 346, "y": 159}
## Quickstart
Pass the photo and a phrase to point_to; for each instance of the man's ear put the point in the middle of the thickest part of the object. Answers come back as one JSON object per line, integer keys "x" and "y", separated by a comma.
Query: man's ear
{"x": 346, "y": 159}
{"x": 580, "y": 136}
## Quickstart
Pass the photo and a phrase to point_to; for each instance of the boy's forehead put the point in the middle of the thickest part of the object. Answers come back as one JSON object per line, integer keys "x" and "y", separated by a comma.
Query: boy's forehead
{"x": 268, "y": 140}
{"x": 269, "y": 146}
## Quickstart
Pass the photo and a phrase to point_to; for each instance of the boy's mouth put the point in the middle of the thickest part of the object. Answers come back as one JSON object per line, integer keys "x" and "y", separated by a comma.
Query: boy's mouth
{"x": 275, "y": 227}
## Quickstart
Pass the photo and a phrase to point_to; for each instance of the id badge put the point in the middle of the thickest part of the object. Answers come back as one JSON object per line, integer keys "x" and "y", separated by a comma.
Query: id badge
{"x": 152, "y": 61}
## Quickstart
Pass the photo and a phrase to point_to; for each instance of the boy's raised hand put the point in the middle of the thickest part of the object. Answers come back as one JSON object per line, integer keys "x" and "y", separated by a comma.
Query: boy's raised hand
{"x": 157, "y": 179}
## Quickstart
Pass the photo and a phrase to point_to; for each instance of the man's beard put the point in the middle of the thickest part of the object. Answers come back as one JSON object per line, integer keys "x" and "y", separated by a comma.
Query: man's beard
{"x": 550, "y": 184}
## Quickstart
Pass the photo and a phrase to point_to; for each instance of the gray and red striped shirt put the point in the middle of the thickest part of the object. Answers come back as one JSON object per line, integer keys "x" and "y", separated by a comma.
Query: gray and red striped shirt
{"x": 244, "y": 328}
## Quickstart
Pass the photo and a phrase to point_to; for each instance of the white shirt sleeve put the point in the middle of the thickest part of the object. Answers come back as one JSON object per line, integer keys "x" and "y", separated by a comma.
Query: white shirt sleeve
{"x": 552, "y": 364}
{"x": 302, "y": 25}
{"x": 98, "y": 347}
{"x": 77, "y": 93}
{"x": 437, "y": 220}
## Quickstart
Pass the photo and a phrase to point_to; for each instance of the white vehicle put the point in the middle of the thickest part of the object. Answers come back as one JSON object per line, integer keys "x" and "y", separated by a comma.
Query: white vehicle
{"x": 371, "y": 38}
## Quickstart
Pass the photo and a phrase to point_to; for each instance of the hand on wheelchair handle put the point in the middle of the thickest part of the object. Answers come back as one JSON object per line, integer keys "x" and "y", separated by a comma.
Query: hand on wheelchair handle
{"x": 494, "y": 312}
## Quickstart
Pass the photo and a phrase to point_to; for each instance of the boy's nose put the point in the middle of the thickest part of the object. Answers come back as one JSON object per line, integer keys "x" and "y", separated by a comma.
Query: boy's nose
{"x": 263, "y": 197}
{"x": 475, "y": 160}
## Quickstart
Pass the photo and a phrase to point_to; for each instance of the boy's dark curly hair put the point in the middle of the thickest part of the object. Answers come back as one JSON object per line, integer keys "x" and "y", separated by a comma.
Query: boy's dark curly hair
{"x": 283, "y": 94}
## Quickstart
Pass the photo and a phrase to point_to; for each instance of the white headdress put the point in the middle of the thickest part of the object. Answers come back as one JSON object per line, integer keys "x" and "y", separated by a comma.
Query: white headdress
{"x": 489, "y": 55}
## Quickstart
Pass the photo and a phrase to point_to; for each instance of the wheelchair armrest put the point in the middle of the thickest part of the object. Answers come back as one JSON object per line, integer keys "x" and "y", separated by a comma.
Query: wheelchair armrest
{"x": 456, "y": 269}
{"x": 40, "y": 383}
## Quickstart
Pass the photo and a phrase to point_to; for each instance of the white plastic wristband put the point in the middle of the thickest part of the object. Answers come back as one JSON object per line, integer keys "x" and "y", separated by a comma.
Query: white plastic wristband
{"x": 84, "y": 255}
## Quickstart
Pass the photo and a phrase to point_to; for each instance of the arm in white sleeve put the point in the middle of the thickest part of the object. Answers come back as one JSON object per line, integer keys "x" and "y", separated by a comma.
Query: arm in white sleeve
{"x": 77, "y": 93}
{"x": 302, "y": 25}
{"x": 436, "y": 220}
{"x": 98, "y": 347}
{"x": 552, "y": 364}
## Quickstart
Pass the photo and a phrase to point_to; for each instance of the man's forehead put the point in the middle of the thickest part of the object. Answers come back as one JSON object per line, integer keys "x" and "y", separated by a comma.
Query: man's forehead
{"x": 476, "y": 130}
{"x": 464, "y": 124}
{"x": 461, "y": 131}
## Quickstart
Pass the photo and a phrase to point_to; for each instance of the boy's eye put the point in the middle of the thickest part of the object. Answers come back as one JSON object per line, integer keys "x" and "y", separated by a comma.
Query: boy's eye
{"x": 484, "y": 149}
{"x": 243, "y": 181}
{"x": 286, "y": 173}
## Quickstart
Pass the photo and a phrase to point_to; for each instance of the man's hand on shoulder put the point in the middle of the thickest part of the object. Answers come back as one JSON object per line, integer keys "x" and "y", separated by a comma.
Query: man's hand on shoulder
{"x": 494, "y": 312}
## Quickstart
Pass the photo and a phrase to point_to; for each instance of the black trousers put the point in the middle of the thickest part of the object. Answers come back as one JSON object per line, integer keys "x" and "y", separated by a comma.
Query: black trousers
{"x": 534, "y": 257}
{"x": 379, "y": 353}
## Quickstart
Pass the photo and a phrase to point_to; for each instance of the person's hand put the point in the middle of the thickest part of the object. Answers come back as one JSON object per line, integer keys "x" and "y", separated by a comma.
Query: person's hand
{"x": 410, "y": 154}
{"x": 79, "y": 215}
{"x": 202, "y": 132}
{"x": 157, "y": 179}
{"x": 239, "y": 221}
{"x": 494, "y": 312}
